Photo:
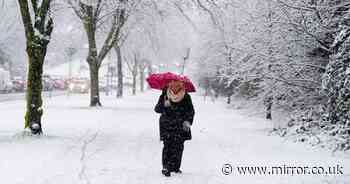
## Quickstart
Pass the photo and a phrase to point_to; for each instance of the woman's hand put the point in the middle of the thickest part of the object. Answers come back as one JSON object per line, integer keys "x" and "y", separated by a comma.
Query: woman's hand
{"x": 167, "y": 103}
{"x": 187, "y": 126}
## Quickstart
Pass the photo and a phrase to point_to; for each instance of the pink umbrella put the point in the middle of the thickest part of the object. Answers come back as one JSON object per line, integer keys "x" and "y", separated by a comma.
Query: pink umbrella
{"x": 161, "y": 80}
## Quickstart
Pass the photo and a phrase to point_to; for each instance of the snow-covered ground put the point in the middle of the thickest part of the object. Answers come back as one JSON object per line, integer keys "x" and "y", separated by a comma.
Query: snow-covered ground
{"x": 119, "y": 144}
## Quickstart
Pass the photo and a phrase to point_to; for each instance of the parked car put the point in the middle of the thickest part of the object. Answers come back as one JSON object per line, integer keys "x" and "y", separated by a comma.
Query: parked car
{"x": 80, "y": 85}
{"x": 18, "y": 85}
{"x": 59, "y": 84}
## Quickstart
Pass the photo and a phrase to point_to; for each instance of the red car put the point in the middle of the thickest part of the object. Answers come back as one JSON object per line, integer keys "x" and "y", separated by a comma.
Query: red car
{"x": 59, "y": 84}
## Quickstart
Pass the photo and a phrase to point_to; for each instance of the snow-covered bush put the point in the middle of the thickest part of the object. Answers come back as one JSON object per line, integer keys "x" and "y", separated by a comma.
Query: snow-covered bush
{"x": 336, "y": 83}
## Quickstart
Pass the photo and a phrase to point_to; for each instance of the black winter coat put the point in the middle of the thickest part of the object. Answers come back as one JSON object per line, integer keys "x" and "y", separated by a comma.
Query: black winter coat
{"x": 172, "y": 118}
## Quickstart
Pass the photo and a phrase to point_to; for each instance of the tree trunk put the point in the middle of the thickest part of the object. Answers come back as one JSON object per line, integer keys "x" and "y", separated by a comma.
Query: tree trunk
{"x": 149, "y": 68}
{"x": 268, "y": 104}
{"x": 120, "y": 72}
{"x": 94, "y": 86}
{"x": 37, "y": 40}
{"x": 142, "y": 80}
{"x": 269, "y": 112}
{"x": 92, "y": 59}
{"x": 134, "y": 74}
{"x": 134, "y": 84}
{"x": 34, "y": 90}
{"x": 269, "y": 99}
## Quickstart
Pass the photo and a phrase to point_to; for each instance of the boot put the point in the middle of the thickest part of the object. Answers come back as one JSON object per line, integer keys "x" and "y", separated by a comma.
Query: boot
{"x": 166, "y": 172}
{"x": 177, "y": 171}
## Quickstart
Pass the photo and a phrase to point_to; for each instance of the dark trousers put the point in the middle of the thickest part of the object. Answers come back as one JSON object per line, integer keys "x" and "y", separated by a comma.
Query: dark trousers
{"x": 172, "y": 154}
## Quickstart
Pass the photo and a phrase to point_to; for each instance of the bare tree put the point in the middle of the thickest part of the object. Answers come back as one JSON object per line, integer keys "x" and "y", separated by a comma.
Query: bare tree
{"x": 92, "y": 16}
{"x": 143, "y": 65}
{"x": 9, "y": 33}
{"x": 120, "y": 76}
{"x": 38, "y": 27}
{"x": 133, "y": 64}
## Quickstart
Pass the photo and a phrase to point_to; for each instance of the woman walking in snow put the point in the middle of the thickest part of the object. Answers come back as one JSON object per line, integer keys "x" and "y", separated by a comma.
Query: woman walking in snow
{"x": 177, "y": 112}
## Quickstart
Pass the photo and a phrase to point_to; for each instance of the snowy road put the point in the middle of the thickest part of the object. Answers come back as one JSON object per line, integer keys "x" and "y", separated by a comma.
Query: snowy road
{"x": 21, "y": 96}
{"x": 119, "y": 144}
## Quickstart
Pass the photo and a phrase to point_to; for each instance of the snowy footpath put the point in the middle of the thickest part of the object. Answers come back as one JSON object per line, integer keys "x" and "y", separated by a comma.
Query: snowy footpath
{"x": 119, "y": 144}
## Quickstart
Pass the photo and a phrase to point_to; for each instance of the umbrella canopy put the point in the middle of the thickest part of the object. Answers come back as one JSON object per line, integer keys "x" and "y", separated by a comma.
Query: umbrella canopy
{"x": 161, "y": 81}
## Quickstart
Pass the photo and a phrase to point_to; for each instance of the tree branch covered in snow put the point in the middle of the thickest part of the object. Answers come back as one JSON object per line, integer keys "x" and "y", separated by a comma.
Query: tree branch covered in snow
{"x": 275, "y": 49}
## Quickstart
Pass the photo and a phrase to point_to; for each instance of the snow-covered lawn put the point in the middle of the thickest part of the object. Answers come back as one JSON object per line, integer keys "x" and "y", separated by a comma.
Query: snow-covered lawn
{"x": 119, "y": 144}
